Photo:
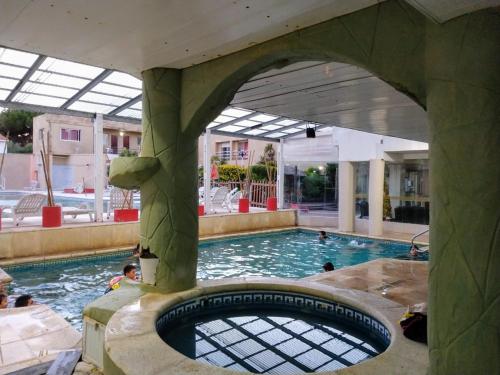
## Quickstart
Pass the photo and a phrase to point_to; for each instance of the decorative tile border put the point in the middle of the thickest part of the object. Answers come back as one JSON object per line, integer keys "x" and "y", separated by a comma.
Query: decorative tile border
{"x": 222, "y": 302}
{"x": 71, "y": 260}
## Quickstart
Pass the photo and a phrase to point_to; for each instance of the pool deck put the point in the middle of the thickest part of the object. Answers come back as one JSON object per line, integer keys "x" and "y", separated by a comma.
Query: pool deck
{"x": 33, "y": 335}
{"x": 401, "y": 281}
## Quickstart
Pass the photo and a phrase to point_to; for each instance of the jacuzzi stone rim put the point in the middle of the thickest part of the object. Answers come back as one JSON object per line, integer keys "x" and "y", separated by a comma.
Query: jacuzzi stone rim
{"x": 131, "y": 331}
{"x": 221, "y": 302}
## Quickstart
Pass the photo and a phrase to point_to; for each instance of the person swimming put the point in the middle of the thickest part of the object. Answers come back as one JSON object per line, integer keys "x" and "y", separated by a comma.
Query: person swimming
{"x": 328, "y": 266}
{"x": 322, "y": 235}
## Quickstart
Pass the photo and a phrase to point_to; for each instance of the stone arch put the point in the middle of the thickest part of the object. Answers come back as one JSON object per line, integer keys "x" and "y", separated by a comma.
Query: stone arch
{"x": 387, "y": 40}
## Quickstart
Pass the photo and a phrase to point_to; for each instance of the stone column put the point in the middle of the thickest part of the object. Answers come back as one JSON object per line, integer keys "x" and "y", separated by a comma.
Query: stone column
{"x": 207, "y": 171}
{"x": 346, "y": 196}
{"x": 463, "y": 104}
{"x": 376, "y": 198}
{"x": 167, "y": 175}
{"x": 280, "y": 176}
{"x": 98, "y": 167}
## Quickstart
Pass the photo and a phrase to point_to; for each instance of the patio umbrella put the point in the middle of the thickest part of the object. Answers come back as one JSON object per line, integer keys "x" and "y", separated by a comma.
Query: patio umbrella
{"x": 214, "y": 172}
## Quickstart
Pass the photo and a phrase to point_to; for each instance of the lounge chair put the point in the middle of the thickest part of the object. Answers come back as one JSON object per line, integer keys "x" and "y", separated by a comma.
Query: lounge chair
{"x": 119, "y": 198}
{"x": 75, "y": 211}
{"x": 219, "y": 198}
{"x": 28, "y": 206}
{"x": 232, "y": 198}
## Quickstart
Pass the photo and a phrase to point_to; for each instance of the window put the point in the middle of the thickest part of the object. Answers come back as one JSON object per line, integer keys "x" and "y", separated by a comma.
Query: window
{"x": 224, "y": 150}
{"x": 70, "y": 135}
{"x": 138, "y": 141}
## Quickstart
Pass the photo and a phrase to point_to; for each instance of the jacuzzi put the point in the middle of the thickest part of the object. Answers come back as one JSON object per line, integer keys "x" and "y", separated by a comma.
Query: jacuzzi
{"x": 271, "y": 325}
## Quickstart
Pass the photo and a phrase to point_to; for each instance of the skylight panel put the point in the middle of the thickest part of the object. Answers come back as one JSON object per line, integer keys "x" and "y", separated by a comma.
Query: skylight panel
{"x": 230, "y": 128}
{"x": 11, "y": 56}
{"x": 106, "y": 88}
{"x": 12, "y": 71}
{"x": 213, "y": 125}
{"x": 303, "y": 126}
{"x": 7, "y": 83}
{"x": 292, "y": 130}
{"x": 224, "y": 119}
{"x": 91, "y": 107}
{"x": 246, "y": 123}
{"x": 48, "y": 90}
{"x": 276, "y": 135}
{"x": 255, "y": 132}
{"x": 35, "y": 99}
{"x": 263, "y": 118}
{"x": 124, "y": 79}
{"x": 103, "y": 99}
{"x": 130, "y": 113}
{"x": 270, "y": 127}
{"x": 4, "y": 94}
{"x": 57, "y": 79}
{"x": 235, "y": 112}
{"x": 287, "y": 122}
{"x": 68, "y": 67}
{"x": 137, "y": 105}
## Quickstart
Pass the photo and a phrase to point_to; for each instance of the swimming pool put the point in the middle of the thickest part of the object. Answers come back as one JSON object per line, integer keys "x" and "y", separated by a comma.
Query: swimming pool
{"x": 68, "y": 285}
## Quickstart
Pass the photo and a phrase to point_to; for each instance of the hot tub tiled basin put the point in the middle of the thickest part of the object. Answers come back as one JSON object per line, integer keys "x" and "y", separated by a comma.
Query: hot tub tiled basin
{"x": 218, "y": 317}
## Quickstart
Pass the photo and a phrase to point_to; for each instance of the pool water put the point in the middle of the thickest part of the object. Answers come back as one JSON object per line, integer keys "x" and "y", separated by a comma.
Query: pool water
{"x": 67, "y": 286}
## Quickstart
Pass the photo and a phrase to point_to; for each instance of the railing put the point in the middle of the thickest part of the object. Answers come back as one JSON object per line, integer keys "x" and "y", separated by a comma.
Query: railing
{"x": 234, "y": 155}
{"x": 259, "y": 191}
{"x": 418, "y": 235}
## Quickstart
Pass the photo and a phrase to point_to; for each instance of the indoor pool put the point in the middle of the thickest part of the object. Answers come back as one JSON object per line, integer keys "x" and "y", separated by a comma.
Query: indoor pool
{"x": 68, "y": 285}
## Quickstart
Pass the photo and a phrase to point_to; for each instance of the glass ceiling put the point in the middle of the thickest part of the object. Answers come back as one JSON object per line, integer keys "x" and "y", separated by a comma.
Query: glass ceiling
{"x": 46, "y": 84}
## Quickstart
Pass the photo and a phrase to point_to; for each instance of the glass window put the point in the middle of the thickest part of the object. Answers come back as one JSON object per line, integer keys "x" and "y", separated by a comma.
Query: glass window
{"x": 70, "y": 135}
{"x": 361, "y": 181}
{"x": 406, "y": 191}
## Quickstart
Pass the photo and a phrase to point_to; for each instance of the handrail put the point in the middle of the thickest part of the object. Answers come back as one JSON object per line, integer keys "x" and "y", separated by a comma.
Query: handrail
{"x": 418, "y": 235}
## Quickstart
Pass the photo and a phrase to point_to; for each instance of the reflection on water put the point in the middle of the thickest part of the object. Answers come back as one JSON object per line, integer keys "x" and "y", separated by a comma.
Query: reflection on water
{"x": 67, "y": 287}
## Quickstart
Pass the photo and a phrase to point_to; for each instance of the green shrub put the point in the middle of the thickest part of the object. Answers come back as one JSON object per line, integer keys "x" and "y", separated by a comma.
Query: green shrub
{"x": 126, "y": 152}
{"x": 228, "y": 172}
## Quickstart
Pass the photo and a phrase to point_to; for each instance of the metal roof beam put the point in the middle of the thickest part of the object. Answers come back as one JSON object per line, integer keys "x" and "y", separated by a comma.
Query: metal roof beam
{"x": 89, "y": 86}
{"x": 126, "y": 105}
{"x": 227, "y": 134}
{"x": 69, "y": 112}
{"x": 39, "y": 61}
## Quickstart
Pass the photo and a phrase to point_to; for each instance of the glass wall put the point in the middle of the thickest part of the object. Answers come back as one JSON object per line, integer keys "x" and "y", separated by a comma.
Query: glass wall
{"x": 361, "y": 183}
{"x": 406, "y": 191}
{"x": 311, "y": 186}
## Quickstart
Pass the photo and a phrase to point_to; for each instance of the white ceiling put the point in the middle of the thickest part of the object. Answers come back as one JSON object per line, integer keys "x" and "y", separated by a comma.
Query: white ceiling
{"x": 335, "y": 94}
{"x": 132, "y": 35}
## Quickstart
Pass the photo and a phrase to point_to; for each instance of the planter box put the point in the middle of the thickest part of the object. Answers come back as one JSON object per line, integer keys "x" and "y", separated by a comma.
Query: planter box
{"x": 272, "y": 204}
{"x": 51, "y": 216}
{"x": 201, "y": 210}
{"x": 244, "y": 205}
{"x": 126, "y": 214}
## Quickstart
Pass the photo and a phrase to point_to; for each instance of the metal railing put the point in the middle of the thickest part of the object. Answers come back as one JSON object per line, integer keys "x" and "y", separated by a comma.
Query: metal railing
{"x": 259, "y": 191}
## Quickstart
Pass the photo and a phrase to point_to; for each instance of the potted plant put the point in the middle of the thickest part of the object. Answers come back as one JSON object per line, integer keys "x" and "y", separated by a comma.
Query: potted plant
{"x": 51, "y": 214}
{"x": 149, "y": 263}
{"x": 244, "y": 201}
{"x": 272, "y": 201}
{"x": 126, "y": 212}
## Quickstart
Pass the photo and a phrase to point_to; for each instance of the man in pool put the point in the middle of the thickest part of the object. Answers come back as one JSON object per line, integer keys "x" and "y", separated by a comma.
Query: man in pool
{"x": 322, "y": 235}
{"x": 328, "y": 266}
{"x": 24, "y": 301}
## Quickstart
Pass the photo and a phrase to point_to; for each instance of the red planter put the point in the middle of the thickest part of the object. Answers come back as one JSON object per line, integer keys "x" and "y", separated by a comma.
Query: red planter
{"x": 201, "y": 210}
{"x": 51, "y": 216}
{"x": 126, "y": 214}
{"x": 244, "y": 205}
{"x": 272, "y": 204}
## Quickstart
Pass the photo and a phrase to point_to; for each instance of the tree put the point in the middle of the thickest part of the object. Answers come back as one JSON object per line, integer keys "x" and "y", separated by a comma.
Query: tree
{"x": 269, "y": 155}
{"x": 18, "y": 124}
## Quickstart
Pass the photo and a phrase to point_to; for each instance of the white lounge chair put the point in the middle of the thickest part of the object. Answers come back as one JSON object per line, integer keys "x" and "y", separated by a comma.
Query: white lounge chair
{"x": 232, "y": 198}
{"x": 75, "y": 211}
{"x": 219, "y": 198}
{"x": 28, "y": 206}
{"x": 119, "y": 198}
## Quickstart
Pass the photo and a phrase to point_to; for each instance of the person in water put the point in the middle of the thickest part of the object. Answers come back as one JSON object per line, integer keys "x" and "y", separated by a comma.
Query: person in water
{"x": 328, "y": 266}
{"x": 24, "y": 301}
{"x": 4, "y": 301}
{"x": 413, "y": 251}
{"x": 322, "y": 235}
{"x": 129, "y": 271}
